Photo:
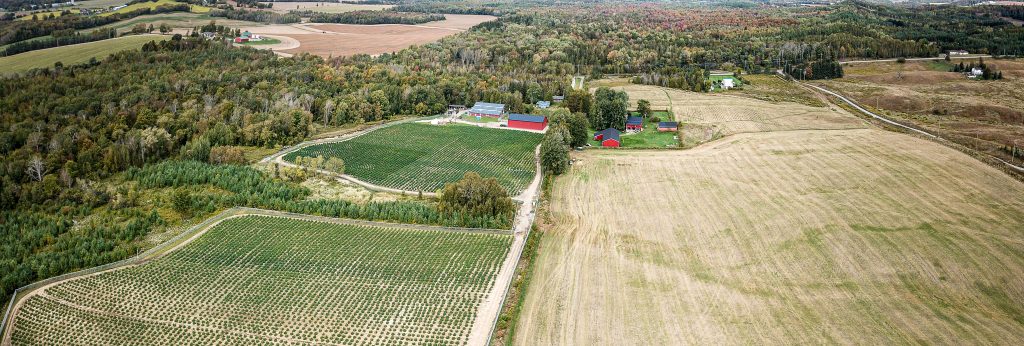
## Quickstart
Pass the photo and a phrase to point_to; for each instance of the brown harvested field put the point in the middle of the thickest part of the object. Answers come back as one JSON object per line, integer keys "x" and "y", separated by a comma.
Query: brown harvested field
{"x": 801, "y": 237}
{"x": 983, "y": 115}
{"x": 707, "y": 117}
{"x": 347, "y": 39}
{"x": 325, "y": 7}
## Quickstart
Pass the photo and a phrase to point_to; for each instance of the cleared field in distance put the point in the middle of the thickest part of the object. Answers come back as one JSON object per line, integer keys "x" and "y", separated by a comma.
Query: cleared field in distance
{"x": 348, "y": 39}
{"x": 73, "y": 54}
{"x": 800, "y": 237}
{"x": 983, "y": 115}
{"x": 260, "y": 280}
{"x": 422, "y": 157}
{"x": 325, "y": 7}
{"x": 181, "y": 20}
{"x": 152, "y": 5}
{"x": 706, "y": 117}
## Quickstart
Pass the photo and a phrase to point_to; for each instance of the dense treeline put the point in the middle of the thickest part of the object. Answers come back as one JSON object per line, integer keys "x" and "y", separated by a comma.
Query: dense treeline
{"x": 14, "y": 5}
{"x": 492, "y": 9}
{"x": 254, "y": 4}
{"x": 35, "y": 245}
{"x": 20, "y": 30}
{"x": 1015, "y": 12}
{"x": 256, "y": 16}
{"x": 371, "y": 17}
{"x": 251, "y": 188}
{"x": 822, "y": 69}
{"x": 65, "y": 125}
{"x": 59, "y": 38}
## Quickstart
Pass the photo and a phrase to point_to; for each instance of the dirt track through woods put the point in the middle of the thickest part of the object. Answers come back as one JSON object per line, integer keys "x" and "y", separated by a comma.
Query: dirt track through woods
{"x": 800, "y": 237}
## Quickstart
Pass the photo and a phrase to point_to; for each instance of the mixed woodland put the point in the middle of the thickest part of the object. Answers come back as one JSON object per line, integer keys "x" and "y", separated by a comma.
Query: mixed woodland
{"x": 95, "y": 157}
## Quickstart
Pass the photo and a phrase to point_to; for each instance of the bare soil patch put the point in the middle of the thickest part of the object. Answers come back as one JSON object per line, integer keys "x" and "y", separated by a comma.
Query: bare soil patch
{"x": 347, "y": 39}
{"x": 800, "y": 237}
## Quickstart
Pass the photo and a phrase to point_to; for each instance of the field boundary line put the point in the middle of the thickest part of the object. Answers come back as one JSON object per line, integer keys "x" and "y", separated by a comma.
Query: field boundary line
{"x": 528, "y": 213}
{"x": 193, "y": 233}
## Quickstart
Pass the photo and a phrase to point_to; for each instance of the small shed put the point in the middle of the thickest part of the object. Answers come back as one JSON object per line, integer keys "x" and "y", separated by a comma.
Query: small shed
{"x": 527, "y": 121}
{"x": 558, "y": 98}
{"x": 727, "y": 83}
{"x": 634, "y": 124}
{"x": 543, "y": 104}
{"x": 609, "y": 138}
{"x": 668, "y": 126}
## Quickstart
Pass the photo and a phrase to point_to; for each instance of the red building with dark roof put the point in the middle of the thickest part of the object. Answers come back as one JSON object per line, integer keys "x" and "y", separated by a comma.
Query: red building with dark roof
{"x": 527, "y": 121}
{"x": 608, "y": 138}
{"x": 634, "y": 124}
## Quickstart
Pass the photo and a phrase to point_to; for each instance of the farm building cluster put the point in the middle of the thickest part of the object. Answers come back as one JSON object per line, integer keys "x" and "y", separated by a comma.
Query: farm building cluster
{"x": 248, "y": 37}
{"x": 610, "y": 137}
{"x": 496, "y": 111}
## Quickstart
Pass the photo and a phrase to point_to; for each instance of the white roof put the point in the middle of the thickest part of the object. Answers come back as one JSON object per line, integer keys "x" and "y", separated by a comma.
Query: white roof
{"x": 488, "y": 108}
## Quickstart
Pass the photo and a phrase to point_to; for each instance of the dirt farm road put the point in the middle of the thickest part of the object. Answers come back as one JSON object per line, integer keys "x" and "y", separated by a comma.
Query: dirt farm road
{"x": 883, "y": 119}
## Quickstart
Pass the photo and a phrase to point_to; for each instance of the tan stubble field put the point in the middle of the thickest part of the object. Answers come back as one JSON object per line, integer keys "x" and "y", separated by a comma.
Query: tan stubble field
{"x": 793, "y": 237}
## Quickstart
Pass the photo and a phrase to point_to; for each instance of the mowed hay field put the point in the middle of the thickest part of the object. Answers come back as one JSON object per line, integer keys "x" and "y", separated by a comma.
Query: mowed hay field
{"x": 732, "y": 114}
{"x": 423, "y": 157}
{"x": 73, "y": 54}
{"x": 800, "y": 237}
{"x": 262, "y": 280}
{"x": 348, "y": 39}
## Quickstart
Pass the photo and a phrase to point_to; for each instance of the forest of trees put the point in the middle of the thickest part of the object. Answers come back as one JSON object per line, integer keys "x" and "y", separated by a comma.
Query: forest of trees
{"x": 259, "y": 16}
{"x": 59, "y": 38}
{"x": 21, "y": 30}
{"x": 371, "y": 17}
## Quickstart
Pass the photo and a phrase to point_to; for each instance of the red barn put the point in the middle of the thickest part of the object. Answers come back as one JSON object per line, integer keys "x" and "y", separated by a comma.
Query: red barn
{"x": 667, "y": 126}
{"x": 528, "y": 122}
{"x": 634, "y": 124}
{"x": 608, "y": 138}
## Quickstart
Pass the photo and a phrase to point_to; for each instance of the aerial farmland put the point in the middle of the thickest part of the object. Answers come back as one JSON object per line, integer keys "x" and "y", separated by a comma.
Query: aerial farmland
{"x": 268, "y": 276}
{"x": 505, "y": 172}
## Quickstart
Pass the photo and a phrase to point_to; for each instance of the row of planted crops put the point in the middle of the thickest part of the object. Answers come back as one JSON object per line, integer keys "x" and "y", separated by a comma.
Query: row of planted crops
{"x": 422, "y": 157}
{"x": 273, "y": 280}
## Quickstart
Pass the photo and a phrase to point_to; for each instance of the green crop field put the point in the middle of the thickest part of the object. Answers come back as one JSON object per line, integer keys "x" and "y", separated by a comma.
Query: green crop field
{"x": 73, "y": 54}
{"x": 263, "y": 42}
{"x": 152, "y": 5}
{"x": 422, "y": 157}
{"x": 262, "y": 280}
